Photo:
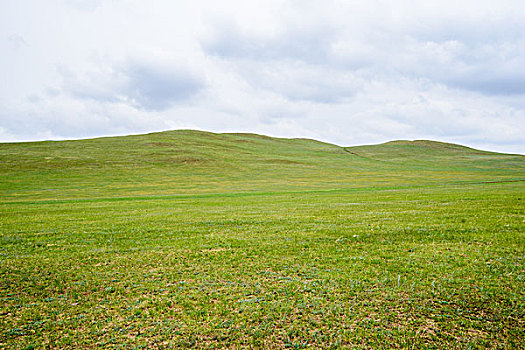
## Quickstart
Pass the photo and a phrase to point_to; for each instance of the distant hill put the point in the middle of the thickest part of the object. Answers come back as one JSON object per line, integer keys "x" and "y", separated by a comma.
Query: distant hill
{"x": 422, "y": 149}
{"x": 187, "y": 162}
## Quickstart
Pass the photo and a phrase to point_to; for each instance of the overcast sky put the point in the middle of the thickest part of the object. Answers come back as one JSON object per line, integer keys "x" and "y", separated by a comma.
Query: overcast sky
{"x": 346, "y": 72}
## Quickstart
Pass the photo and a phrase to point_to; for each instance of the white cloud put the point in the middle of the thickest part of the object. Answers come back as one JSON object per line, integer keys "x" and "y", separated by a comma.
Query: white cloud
{"x": 147, "y": 84}
{"x": 348, "y": 72}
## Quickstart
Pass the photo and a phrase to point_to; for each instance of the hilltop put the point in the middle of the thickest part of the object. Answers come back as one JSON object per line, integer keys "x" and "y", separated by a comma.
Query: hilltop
{"x": 197, "y": 162}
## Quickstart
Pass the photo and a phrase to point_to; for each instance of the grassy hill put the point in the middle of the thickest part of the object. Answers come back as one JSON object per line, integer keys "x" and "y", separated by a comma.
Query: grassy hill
{"x": 187, "y": 239}
{"x": 191, "y": 162}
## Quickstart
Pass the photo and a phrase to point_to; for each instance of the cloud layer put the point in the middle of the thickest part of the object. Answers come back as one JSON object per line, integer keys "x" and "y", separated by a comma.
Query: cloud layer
{"x": 348, "y": 72}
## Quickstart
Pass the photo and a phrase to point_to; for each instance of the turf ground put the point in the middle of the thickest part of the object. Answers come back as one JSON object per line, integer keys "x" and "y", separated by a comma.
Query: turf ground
{"x": 190, "y": 239}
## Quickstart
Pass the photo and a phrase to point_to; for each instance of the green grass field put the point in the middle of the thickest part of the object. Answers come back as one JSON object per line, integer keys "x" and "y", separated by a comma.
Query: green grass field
{"x": 190, "y": 239}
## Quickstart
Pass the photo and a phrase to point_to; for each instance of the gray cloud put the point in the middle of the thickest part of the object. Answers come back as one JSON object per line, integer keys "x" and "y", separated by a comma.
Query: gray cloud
{"x": 157, "y": 89}
{"x": 16, "y": 40}
{"x": 143, "y": 84}
{"x": 499, "y": 85}
{"x": 103, "y": 84}
{"x": 463, "y": 53}
{"x": 297, "y": 81}
{"x": 304, "y": 44}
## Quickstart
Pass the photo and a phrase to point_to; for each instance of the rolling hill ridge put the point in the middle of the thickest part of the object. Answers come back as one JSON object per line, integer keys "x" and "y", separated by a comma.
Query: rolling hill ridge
{"x": 196, "y": 162}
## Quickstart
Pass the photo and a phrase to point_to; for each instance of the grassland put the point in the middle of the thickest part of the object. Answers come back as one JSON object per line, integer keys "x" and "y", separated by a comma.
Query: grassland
{"x": 190, "y": 239}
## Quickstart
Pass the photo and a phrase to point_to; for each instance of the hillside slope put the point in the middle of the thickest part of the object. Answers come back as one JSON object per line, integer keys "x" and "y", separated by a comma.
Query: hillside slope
{"x": 196, "y": 162}
{"x": 440, "y": 155}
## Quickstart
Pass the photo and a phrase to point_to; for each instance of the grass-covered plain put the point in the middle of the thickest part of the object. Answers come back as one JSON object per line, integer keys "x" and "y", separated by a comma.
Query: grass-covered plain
{"x": 191, "y": 239}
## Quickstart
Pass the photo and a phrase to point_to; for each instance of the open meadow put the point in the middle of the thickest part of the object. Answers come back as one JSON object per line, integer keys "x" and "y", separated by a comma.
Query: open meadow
{"x": 191, "y": 239}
